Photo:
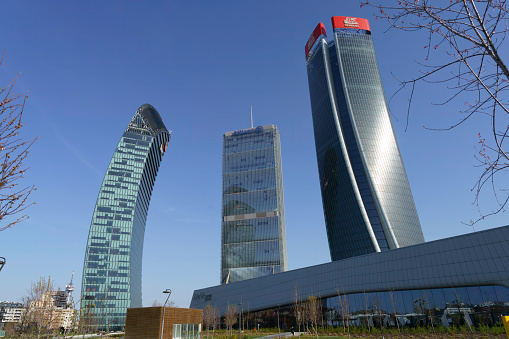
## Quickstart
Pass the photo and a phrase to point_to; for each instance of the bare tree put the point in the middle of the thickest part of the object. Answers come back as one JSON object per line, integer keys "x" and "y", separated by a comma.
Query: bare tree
{"x": 305, "y": 316}
{"x": 312, "y": 312}
{"x": 376, "y": 308}
{"x": 297, "y": 309}
{"x": 41, "y": 316}
{"x": 247, "y": 317}
{"x": 208, "y": 317}
{"x": 101, "y": 313}
{"x": 320, "y": 311}
{"x": 393, "y": 302}
{"x": 10, "y": 330}
{"x": 366, "y": 304}
{"x": 216, "y": 320}
{"x": 87, "y": 321}
{"x": 426, "y": 299}
{"x": 465, "y": 36}
{"x": 230, "y": 318}
{"x": 74, "y": 320}
{"x": 157, "y": 303}
{"x": 462, "y": 310}
{"x": 345, "y": 311}
{"x": 95, "y": 316}
{"x": 13, "y": 151}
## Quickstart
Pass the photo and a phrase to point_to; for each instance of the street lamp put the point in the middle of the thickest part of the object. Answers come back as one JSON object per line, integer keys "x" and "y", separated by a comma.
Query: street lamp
{"x": 164, "y": 309}
{"x": 240, "y": 316}
{"x": 278, "y": 329}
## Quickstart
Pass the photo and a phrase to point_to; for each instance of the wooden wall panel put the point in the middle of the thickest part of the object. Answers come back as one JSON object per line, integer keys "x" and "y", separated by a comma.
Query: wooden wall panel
{"x": 145, "y": 322}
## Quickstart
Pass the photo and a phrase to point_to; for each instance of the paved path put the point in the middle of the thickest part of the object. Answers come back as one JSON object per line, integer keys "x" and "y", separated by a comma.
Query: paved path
{"x": 94, "y": 335}
{"x": 280, "y": 335}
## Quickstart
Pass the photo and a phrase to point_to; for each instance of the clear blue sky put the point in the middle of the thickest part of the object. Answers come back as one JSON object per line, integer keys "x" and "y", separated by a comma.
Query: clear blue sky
{"x": 89, "y": 65}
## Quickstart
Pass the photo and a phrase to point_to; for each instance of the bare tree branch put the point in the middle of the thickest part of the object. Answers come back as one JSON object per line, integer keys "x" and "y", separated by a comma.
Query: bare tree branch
{"x": 465, "y": 36}
{"x": 13, "y": 151}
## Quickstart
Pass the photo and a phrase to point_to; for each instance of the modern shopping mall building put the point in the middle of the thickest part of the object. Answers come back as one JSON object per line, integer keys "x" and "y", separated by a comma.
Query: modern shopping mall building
{"x": 459, "y": 279}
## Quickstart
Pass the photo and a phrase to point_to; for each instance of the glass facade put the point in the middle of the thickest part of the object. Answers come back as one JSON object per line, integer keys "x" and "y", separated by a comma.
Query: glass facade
{"x": 367, "y": 201}
{"x": 253, "y": 241}
{"x": 186, "y": 331}
{"x": 113, "y": 258}
{"x": 431, "y": 308}
{"x": 472, "y": 305}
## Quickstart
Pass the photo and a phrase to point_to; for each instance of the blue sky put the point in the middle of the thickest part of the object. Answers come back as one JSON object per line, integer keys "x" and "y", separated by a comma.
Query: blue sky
{"x": 202, "y": 64}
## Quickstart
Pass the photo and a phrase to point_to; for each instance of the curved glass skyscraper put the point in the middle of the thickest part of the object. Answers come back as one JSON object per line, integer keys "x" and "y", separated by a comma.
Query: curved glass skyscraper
{"x": 253, "y": 240}
{"x": 112, "y": 269}
{"x": 366, "y": 196}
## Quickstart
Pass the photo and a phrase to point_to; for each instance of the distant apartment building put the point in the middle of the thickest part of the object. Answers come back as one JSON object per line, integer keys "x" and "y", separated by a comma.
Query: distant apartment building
{"x": 253, "y": 240}
{"x": 51, "y": 311}
{"x": 11, "y": 312}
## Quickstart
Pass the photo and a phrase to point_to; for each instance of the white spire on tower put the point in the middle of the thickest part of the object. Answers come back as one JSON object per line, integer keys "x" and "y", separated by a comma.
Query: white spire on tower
{"x": 251, "y": 116}
{"x": 69, "y": 289}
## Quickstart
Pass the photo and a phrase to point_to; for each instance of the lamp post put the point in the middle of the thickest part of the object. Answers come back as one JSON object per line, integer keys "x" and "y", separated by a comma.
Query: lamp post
{"x": 164, "y": 309}
{"x": 240, "y": 316}
{"x": 278, "y": 329}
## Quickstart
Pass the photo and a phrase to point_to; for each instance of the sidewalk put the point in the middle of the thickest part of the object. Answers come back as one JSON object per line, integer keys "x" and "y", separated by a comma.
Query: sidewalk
{"x": 92, "y": 335}
{"x": 280, "y": 335}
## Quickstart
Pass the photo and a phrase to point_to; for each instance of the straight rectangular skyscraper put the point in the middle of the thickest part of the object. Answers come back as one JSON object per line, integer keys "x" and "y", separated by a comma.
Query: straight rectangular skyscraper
{"x": 367, "y": 201}
{"x": 253, "y": 240}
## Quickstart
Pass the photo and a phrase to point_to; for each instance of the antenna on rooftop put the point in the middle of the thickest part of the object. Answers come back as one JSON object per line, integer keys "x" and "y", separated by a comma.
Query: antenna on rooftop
{"x": 251, "y": 116}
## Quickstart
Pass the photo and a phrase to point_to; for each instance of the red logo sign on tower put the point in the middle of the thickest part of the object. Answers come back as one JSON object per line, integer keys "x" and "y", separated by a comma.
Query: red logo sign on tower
{"x": 350, "y": 22}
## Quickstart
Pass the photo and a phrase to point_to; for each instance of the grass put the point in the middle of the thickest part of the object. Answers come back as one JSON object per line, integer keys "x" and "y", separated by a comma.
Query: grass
{"x": 453, "y": 332}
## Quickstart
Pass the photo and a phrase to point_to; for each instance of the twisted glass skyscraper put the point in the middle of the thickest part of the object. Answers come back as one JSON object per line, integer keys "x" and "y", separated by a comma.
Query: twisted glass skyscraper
{"x": 253, "y": 240}
{"x": 367, "y": 202}
{"x": 112, "y": 269}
